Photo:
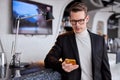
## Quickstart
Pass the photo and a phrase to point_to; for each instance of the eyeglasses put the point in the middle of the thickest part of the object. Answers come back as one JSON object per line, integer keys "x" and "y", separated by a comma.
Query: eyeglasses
{"x": 80, "y": 21}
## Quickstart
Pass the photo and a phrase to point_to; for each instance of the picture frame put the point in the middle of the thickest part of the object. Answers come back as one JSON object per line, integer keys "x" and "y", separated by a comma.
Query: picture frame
{"x": 37, "y": 25}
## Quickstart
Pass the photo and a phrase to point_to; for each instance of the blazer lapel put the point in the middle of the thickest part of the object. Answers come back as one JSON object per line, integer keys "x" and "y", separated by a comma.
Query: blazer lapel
{"x": 74, "y": 47}
{"x": 93, "y": 52}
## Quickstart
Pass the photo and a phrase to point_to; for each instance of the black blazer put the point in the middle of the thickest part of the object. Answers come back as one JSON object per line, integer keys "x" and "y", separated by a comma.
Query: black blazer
{"x": 66, "y": 47}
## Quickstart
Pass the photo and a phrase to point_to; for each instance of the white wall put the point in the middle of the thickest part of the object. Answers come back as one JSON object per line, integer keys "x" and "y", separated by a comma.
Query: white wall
{"x": 33, "y": 48}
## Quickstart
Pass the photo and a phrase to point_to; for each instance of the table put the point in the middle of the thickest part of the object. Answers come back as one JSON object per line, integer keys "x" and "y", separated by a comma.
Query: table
{"x": 39, "y": 74}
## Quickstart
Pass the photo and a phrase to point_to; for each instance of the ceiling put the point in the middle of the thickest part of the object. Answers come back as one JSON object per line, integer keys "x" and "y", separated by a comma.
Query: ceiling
{"x": 97, "y": 4}
{"x": 94, "y": 4}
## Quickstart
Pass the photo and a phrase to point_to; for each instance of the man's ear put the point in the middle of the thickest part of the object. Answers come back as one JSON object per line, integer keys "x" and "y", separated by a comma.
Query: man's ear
{"x": 87, "y": 18}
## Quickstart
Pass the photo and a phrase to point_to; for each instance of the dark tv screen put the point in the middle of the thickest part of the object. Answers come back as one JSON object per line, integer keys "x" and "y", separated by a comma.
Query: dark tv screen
{"x": 37, "y": 25}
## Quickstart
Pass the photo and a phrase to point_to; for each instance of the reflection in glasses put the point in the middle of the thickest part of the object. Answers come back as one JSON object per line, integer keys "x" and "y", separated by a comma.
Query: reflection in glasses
{"x": 80, "y": 21}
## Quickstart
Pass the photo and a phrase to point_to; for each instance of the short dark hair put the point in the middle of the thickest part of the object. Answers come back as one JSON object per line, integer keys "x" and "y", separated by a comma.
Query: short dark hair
{"x": 77, "y": 6}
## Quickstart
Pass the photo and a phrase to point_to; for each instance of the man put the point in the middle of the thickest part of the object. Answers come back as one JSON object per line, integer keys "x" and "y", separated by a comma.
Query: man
{"x": 86, "y": 48}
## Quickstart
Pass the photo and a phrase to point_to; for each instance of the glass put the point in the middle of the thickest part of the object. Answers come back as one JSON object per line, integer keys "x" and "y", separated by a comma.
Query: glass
{"x": 17, "y": 59}
{"x": 15, "y": 65}
{"x": 80, "y": 21}
{"x": 3, "y": 65}
{"x": 17, "y": 73}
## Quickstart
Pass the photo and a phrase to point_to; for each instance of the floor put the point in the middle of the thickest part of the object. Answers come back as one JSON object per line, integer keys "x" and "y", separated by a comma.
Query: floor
{"x": 115, "y": 68}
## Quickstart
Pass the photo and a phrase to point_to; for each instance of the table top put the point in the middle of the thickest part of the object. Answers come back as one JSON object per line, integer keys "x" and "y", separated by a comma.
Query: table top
{"x": 39, "y": 74}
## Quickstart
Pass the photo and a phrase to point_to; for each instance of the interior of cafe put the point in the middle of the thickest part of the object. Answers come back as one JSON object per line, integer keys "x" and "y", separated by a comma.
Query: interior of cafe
{"x": 29, "y": 28}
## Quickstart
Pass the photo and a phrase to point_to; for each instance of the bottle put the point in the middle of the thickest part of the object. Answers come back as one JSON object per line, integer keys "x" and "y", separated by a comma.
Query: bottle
{"x": 3, "y": 65}
{"x": 15, "y": 65}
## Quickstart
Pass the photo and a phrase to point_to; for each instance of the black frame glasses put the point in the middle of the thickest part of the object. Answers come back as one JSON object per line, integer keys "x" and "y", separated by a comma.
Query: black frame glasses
{"x": 80, "y": 21}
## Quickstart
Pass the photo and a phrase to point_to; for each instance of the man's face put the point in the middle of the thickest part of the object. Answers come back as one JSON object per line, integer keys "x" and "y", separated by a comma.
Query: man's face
{"x": 78, "y": 21}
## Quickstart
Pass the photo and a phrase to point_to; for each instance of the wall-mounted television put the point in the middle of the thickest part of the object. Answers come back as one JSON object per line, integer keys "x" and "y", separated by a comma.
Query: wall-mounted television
{"x": 37, "y": 25}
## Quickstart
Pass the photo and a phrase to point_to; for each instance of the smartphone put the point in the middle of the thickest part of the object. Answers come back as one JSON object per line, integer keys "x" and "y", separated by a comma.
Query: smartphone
{"x": 70, "y": 61}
